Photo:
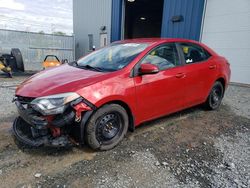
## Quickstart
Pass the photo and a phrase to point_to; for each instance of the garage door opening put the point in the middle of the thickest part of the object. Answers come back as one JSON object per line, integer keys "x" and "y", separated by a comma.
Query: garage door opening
{"x": 143, "y": 18}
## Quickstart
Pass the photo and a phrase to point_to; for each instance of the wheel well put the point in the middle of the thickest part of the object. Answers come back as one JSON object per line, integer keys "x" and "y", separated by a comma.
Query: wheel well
{"x": 129, "y": 112}
{"x": 222, "y": 81}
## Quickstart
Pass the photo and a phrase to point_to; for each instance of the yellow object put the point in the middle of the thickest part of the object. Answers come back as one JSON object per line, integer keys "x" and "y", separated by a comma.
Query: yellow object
{"x": 51, "y": 61}
{"x": 1, "y": 66}
{"x": 5, "y": 69}
{"x": 185, "y": 50}
{"x": 8, "y": 69}
{"x": 110, "y": 55}
{"x": 47, "y": 64}
{"x": 152, "y": 53}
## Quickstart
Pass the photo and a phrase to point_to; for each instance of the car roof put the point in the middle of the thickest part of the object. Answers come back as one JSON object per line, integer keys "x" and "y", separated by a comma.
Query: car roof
{"x": 158, "y": 41}
{"x": 155, "y": 40}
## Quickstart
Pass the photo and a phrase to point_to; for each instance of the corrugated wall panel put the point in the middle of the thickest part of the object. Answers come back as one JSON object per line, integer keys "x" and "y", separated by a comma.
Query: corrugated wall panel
{"x": 116, "y": 20}
{"x": 34, "y": 46}
{"x": 227, "y": 30}
{"x": 88, "y": 17}
{"x": 190, "y": 27}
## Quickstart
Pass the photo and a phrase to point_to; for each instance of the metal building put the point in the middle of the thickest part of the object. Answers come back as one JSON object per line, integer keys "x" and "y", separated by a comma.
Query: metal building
{"x": 88, "y": 18}
{"x": 222, "y": 24}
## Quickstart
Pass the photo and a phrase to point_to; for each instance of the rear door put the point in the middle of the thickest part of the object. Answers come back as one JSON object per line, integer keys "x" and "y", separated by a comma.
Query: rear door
{"x": 200, "y": 71}
{"x": 161, "y": 93}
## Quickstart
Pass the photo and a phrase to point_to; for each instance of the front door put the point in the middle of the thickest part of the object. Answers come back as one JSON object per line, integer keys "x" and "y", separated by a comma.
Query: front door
{"x": 161, "y": 93}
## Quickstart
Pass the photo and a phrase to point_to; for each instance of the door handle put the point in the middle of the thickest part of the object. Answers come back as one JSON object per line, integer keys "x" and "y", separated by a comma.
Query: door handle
{"x": 212, "y": 66}
{"x": 180, "y": 75}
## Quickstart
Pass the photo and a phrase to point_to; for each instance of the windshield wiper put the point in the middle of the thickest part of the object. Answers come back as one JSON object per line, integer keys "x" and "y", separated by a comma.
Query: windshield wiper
{"x": 91, "y": 68}
{"x": 73, "y": 63}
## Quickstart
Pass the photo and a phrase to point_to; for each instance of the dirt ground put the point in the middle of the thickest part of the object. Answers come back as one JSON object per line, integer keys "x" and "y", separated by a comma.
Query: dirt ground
{"x": 192, "y": 148}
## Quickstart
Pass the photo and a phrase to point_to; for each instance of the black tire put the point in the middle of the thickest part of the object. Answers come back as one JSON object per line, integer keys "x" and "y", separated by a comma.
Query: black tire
{"x": 215, "y": 97}
{"x": 16, "y": 53}
{"x": 107, "y": 127}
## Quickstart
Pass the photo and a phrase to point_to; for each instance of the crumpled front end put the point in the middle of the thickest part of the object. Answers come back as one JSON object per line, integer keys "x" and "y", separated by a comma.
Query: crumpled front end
{"x": 36, "y": 127}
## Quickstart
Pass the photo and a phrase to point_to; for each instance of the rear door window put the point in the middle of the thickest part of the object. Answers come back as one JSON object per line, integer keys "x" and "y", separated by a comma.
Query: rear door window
{"x": 193, "y": 53}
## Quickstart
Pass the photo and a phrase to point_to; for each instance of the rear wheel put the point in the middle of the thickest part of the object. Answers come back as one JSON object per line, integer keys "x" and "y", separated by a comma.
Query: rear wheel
{"x": 107, "y": 127}
{"x": 215, "y": 97}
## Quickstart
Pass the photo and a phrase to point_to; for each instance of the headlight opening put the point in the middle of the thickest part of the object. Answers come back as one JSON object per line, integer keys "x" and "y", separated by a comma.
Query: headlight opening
{"x": 53, "y": 104}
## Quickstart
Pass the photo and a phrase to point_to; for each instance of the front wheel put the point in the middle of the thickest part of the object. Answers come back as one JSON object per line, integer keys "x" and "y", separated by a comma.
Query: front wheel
{"x": 107, "y": 127}
{"x": 215, "y": 97}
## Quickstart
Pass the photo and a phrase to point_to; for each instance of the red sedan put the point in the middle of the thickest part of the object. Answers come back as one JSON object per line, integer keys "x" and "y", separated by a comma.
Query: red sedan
{"x": 98, "y": 98}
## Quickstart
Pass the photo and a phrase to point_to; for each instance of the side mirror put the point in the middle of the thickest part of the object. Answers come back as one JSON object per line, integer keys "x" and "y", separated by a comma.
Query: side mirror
{"x": 148, "y": 69}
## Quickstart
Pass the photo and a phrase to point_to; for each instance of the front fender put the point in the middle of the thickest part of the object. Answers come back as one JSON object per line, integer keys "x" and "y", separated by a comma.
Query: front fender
{"x": 116, "y": 89}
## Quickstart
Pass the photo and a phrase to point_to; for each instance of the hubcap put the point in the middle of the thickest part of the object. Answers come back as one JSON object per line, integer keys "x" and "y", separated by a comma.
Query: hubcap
{"x": 108, "y": 127}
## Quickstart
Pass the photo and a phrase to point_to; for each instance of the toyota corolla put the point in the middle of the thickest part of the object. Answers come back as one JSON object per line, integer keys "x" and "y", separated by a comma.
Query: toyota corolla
{"x": 98, "y": 98}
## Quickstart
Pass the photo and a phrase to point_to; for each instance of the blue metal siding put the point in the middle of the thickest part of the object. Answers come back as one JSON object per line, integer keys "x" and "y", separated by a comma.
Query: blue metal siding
{"x": 116, "y": 20}
{"x": 190, "y": 27}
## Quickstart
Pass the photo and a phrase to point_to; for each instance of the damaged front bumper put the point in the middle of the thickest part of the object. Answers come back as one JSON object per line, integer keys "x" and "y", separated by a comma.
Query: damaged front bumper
{"x": 66, "y": 129}
{"x": 30, "y": 136}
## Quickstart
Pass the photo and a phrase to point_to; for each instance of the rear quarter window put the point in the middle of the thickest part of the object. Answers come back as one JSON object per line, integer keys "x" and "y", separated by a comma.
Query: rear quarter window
{"x": 194, "y": 53}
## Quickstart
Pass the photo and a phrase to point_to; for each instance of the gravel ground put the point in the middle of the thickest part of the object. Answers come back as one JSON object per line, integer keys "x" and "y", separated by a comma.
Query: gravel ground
{"x": 192, "y": 148}
{"x": 7, "y": 91}
{"x": 238, "y": 99}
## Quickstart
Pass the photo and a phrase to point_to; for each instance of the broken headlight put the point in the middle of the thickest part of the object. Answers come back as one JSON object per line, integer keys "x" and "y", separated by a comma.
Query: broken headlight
{"x": 53, "y": 104}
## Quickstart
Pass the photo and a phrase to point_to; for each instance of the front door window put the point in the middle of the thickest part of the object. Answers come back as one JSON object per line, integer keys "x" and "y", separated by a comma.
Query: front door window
{"x": 165, "y": 57}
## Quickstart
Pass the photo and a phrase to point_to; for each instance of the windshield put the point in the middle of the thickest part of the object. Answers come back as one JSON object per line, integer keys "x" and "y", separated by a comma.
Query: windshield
{"x": 111, "y": 58}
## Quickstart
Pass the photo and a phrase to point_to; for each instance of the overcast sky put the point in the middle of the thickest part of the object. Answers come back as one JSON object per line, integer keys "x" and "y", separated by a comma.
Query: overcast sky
{"x": 37, "y": 15}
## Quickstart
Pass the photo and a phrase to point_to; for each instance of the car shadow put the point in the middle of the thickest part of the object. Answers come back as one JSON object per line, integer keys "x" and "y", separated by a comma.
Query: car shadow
{"x": 142, "y": 128}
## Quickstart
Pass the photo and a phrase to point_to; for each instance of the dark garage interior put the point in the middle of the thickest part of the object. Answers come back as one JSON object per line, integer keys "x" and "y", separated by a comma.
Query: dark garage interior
{"x": 143, "y": 18}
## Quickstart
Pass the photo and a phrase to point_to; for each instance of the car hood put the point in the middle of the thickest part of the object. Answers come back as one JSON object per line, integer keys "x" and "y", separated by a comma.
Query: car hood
{"x": 64, "y": 78}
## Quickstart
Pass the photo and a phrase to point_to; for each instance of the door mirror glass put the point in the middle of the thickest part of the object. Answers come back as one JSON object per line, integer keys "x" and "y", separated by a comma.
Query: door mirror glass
{"x": 148, "y": 68}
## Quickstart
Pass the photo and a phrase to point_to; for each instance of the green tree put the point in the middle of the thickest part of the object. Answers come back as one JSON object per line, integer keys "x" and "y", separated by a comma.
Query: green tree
{"x": 41, "y": 32}
{"x": 58, "y": 33}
